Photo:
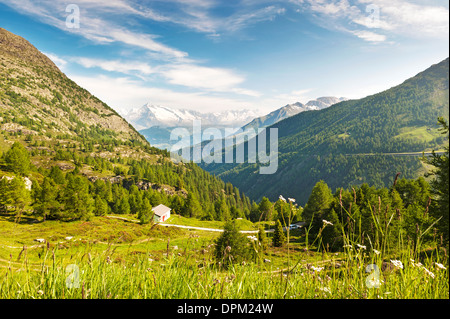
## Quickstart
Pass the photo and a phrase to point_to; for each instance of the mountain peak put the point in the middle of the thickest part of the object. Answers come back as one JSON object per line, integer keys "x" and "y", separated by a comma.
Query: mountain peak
{"x": 34, "y": 90}
{"x": 19, "y": 48}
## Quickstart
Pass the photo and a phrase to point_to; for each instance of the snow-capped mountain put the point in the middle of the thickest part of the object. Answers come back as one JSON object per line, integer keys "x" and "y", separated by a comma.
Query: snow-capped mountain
{"x": 291, "y": 110}
{"x": 326, "y": 101}
{"x": 156, "y": 122}
{"x": 149, "y": 116}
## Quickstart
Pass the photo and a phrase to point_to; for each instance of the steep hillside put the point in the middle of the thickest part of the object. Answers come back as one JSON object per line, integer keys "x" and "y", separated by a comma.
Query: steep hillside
{"x": 353, "y": 141}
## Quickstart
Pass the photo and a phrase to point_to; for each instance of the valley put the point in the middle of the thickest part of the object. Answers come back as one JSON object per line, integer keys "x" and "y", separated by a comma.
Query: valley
{"x": 79, "y": 184}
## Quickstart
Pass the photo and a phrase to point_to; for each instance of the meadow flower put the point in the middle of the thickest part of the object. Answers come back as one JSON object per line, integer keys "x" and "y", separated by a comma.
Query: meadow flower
{"x": 282, "y": 198}
{"x": 377, "y": 252}
{"x": 414, "y": 264}
{"x": 292, "y": 200}
{"x": 326, "y": 222}
{"x": 397, "y": 263}
{"x": 361, "y": 246}
{"x": 348, "y": 246}
{"x": 441, "y": 266}
{"x": 318, "y": 269}
{"x": 428, "y": 272}
{"x": 325, "y": 289}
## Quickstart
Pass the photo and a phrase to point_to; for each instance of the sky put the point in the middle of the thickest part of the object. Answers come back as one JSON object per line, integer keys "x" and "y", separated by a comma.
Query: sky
{"x": 216, "y": 55}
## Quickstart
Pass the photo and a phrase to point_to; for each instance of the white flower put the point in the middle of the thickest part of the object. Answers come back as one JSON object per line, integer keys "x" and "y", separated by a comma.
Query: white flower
{"x": 326, "y": 222}
{"x": 348, "y": 246}
{"x": 377, "y": 252}
{"x": 414, "y": 264}
{"x": 361, "y": 246}
{"x": 428, "y": 272}
{"x": 325, "y": 289}
{"x": 292, "y": 200}
{"x": 252, "y": 238}
{"x": 318, "y": 269}
{"x": 397, "y": 263}
{"x": 282, "y": 198}
{"x": 441, "y": 266}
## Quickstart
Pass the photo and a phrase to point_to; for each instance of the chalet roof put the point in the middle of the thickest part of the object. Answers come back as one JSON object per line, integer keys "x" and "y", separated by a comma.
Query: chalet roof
{"x": 161, "y": 210}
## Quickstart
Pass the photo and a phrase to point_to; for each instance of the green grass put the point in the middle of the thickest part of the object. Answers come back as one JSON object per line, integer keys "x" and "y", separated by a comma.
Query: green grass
{"x": 421, "y": 133}
{"x": 174, "y": 219}
{"x": 117, "y": 259}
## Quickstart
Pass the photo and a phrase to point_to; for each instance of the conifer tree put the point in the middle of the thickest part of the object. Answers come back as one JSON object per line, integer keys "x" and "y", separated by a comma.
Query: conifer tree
{"x": 278, "y": 235}
{"x": 145, "y": 214}
{"x": 17, "y": 159}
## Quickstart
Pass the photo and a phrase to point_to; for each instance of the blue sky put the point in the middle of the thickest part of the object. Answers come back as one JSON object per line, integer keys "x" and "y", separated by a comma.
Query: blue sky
{"x": 211, "y": 55}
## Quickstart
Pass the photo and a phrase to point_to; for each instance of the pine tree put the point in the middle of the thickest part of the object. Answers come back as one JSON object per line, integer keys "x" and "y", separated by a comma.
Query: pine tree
{"x": 231, "y": 246}
{"x": 192, "y": 207}
{"x": 17, "y": 159}
{"x": 100, "y": 206}
{"x": 265, "y": 209}
{"x": 57, "y": 175}
{"x": 278, "y": 235}
{"x": 318, "y": 204}
{"x": 145, "y": 214}
{"x": 78, "y": 203}
{"x": 440, "y": 183}
{"x": 332, "y": 234}
{"x": 45, "y": 201}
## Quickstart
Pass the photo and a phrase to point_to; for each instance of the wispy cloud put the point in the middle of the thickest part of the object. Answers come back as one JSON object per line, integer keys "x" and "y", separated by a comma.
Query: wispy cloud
{"x": 124, "y": 93}
{"x": 377, "y": 20}
{"x": 95, "y": 26}
{"x": 215, "y": 79}
{"x": 125, "y": 67}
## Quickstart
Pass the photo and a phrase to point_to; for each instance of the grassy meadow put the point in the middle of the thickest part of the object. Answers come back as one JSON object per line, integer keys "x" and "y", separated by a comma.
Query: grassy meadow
{"x": 110, "y": 258}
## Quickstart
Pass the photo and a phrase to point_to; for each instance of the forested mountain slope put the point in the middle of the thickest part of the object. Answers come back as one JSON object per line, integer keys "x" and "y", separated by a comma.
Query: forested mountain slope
{"x": 352, "y": 142}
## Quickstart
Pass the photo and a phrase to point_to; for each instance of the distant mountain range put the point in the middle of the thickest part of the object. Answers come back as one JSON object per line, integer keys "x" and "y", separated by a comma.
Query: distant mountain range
{"x": 291, "y": 110}
{"x": 155, "y": 122}
{"x": 150, "y": 115}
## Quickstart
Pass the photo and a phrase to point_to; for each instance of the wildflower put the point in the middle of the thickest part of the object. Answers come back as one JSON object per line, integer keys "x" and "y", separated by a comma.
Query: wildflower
{"x": 40, "y": 292}
{"x": 282, "y": 198}
{"x": 318, "y": 269}
{"x": 326, "y": 222}
{"x": 397, "y": 263}
{"x": 414, "y": 264}
{"x": 377, "y": 252}
{"x": 292, "y": 200}
{"x": 252, "y": 238}
{"x": 361, "y": 246}
{"x": 348, "y": 246}
{"x": 428, "y": 272}
{"x": 325, "y": 289}
{"x": 441, "y": 266}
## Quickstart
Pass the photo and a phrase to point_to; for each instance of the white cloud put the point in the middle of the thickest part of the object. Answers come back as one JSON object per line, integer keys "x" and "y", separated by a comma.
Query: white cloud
{"x": 115, "y": 66}
{"x": 206, "y": 78}
{"x": 202, "y": 77}
{"x": 93, "y": 26}
{"x": 412, "y": 19}
{"x": 377, "y": 20}
{"x": 370, "y": 36}
{"x": 60, "y": 62}
{"x": 293, "y": 96}
{"x": 123, "y": 94}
